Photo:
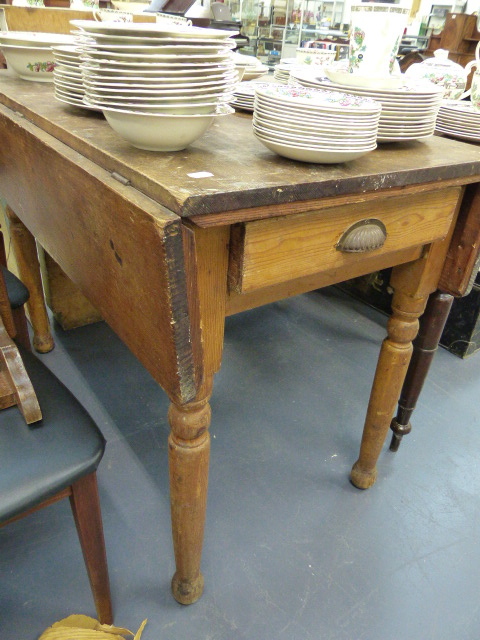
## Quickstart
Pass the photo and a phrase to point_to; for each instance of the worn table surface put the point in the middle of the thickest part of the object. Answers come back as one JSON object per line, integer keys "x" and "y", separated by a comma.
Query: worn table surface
{"x": 244, "y": 173}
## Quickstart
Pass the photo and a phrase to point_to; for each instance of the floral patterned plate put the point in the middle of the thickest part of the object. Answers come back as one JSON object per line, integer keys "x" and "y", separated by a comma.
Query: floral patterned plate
{"x": 317, "y": 98}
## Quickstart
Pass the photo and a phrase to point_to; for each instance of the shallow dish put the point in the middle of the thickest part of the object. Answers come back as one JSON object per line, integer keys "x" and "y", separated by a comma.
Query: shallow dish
{"x": 156, "y": 73}
{"x": 157, "y": 132}
{"x": 315, "y": 99}
{"x": 146, "y": 58}
{"x": 315, "y": 142}
{"x": 170, "y": 109}
{"x": 103, "y": 39}
{"x": 149, "y": 85}
{"x": 158, "y": 99}
{"x": 307, "y": 154}
{"x": 155, "y": 89}
{"x": 150, "y": 29}
{"x": 362, "y": 81}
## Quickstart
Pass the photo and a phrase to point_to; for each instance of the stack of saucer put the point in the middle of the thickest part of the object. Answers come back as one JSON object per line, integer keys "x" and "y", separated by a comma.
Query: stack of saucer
{"x": 409, "y": 112}
{"x": 244, "y": 94}
{"x": 458, "y": 119}
{"x": 252, "y": 67}
{"x": 311, "y": 125}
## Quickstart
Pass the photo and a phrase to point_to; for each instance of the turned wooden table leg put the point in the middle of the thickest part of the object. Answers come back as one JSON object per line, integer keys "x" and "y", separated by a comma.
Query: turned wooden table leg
{"x": 425, "y": 346}
{"x": 25, "y": 250}
{"x": 189, "y": 453}
{"x": 391, "y": 369}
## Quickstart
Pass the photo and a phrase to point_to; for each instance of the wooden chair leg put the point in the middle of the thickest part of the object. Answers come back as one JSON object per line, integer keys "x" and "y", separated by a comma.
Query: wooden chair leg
{"x": 25, "y": 249}
{"x": 424, "y": 348}
{"x": 85, "y": 503}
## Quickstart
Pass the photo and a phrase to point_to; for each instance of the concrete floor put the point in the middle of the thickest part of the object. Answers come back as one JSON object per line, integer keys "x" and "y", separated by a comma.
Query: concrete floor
{"x": 292, "y": 550}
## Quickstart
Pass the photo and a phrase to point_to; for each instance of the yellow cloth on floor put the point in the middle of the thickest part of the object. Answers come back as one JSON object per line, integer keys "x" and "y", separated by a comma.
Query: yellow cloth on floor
{"x": 80, "y": 627}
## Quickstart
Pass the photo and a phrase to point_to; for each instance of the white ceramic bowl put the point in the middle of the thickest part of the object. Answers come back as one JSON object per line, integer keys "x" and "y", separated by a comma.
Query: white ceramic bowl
{"x": 30, "y": 63}
{"x": 157, "y": 132}
{"x": 310, "y": 55}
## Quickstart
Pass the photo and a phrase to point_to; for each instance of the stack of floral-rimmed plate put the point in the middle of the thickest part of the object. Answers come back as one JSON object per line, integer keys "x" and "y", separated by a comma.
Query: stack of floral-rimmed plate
{"x": 312, "y": 125}
{"x": 29, "y": 54}
{"x": 156, "y": 69}
{"x": 244, "y": 94}
{"x": 458, "y": 119}
{"x": 409, "y": 112}
{"x": 67, "y": 75}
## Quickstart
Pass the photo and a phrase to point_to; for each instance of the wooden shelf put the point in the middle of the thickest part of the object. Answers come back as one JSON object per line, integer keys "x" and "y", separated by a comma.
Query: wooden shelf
{"x": 459, "y": 37}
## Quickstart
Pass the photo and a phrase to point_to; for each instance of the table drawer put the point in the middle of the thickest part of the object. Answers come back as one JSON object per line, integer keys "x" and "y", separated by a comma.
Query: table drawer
{"x": 268, "y": 252}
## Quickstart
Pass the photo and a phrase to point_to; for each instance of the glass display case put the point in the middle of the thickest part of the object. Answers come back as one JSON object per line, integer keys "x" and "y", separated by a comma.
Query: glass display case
{"x": 276, "y": 28}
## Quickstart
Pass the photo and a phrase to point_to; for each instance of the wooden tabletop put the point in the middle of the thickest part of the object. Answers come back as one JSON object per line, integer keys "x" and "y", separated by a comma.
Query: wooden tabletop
{"x": 243, "y": 172}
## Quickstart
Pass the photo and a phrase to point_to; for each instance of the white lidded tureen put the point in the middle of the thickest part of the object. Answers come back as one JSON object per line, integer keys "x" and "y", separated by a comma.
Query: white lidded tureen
{"x": 442, "y": 71}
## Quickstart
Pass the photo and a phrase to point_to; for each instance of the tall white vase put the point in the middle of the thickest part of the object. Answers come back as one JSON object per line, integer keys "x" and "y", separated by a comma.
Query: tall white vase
{"x": 376, "y": 31}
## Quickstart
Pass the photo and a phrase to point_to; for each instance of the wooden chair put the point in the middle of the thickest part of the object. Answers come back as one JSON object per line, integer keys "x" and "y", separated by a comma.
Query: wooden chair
{"x": 50, "y": 448}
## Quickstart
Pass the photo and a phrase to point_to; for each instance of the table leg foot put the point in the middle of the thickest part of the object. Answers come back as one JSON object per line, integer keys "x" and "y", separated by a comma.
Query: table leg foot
{"x": 187, "y": 591}
{"x": 362, "y": 479}
{"x": 43, "y": 343}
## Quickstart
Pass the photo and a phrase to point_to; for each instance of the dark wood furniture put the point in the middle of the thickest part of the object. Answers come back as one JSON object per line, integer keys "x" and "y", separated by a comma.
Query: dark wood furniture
{"x": 165, "y": 245}
{"x": 460, "y": 269}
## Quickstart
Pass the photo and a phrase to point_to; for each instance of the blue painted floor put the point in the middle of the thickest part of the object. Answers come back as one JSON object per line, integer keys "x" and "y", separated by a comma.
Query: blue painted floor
{"x": 292, "y": 550}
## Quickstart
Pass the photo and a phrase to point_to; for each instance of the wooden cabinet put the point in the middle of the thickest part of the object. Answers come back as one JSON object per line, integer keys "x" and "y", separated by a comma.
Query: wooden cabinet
{"x": 459, "y": 36}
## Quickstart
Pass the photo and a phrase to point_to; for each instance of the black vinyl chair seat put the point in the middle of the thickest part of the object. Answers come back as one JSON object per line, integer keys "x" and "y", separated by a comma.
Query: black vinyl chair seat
{"x": 18, "y": 294}
{"x": 41, "y": 459}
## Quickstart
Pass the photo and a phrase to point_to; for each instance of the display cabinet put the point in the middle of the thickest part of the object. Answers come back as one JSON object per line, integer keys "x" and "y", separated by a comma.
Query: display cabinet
{"x": 276, "y": 28}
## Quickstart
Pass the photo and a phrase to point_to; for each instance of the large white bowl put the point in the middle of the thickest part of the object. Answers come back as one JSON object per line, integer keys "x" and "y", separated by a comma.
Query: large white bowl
{"x": 157, "y": 132}
{"x": 30, "y": 63}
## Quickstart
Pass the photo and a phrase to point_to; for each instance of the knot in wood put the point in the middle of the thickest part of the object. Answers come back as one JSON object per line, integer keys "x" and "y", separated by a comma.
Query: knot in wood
{"x": 189, "y": 421}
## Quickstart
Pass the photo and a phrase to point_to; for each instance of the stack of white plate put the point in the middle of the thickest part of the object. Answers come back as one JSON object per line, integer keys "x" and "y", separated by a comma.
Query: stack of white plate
{"x": 252, "y": 67}
{"x": 156, "y": 69}
{"x": 409, "y": 112}
{"x": 458, "y": 119}
{"x": 29, "y": 54}
{"x": 312, "y": 125}
{"x": 67, "y": 75}
{"x": 244, "y": 94}
{"x": 282, "y": 70}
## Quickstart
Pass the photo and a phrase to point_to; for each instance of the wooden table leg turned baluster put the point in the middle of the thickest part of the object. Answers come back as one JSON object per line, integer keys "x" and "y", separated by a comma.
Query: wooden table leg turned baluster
{"x": 189, "y": 453}
{"x": 391, "y": 369}
{"x": 424, "y": 348}
{"x": 25, "y": 249}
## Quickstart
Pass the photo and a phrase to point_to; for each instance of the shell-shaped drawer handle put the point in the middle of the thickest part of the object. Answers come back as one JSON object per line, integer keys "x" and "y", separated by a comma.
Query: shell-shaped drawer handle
{"x": 365, "y": 235}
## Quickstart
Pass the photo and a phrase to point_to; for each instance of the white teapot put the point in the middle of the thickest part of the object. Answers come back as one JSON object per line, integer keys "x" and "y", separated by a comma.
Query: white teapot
{"x": 442, "y": 71}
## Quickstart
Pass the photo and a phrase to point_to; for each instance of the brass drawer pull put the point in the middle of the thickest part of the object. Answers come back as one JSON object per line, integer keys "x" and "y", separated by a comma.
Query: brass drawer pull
{"x": 365, "y": 235}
